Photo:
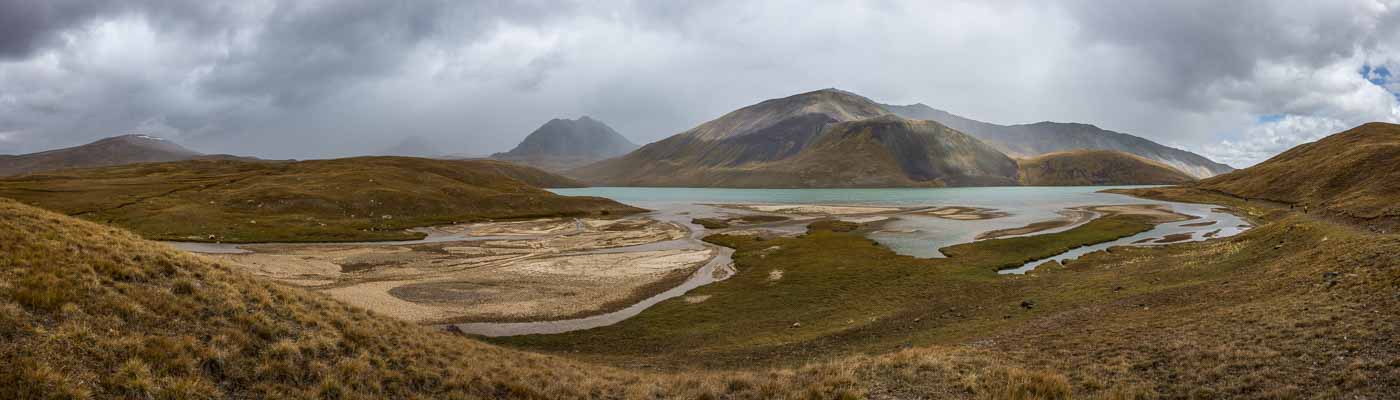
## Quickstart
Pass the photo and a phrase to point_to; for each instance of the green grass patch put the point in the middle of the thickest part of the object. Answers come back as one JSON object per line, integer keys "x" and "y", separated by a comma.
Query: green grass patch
{"x": 355, "y": 199}
{"x": 831, "y": 287}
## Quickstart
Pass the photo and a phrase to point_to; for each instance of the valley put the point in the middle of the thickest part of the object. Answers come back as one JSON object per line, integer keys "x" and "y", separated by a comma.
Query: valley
{"x": 699, "y": 200}
{"x": 908, "y": 260}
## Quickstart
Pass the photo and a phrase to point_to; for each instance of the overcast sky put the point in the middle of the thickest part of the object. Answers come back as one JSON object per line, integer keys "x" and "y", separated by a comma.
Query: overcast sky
{"x": 1237, "y": 81}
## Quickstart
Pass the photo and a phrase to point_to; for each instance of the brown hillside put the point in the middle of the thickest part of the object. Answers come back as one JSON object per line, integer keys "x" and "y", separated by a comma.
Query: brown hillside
{"x": 365, "y": 198}
{"x": 119, "y": 150}
{"x": 1097, "y": 167}
{"x": 1353, "y": 174}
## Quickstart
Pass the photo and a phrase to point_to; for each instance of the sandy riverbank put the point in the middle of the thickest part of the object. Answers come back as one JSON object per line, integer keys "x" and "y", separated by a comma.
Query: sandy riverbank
{"x": 961, "y": 213}
{"x": 812, "y": 210}
{"x": 517, "y": 271}
{"x": 1068, "y": 217}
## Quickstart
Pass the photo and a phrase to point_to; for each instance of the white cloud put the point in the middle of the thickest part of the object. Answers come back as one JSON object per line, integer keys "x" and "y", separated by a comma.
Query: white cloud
{"x": 1267, "y": 139}
{"x": 336, "y": 78}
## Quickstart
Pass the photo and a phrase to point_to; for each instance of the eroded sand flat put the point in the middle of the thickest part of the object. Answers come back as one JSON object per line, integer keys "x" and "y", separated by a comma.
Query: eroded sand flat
{"x": 1068, "y": 217}
{"x": 961, "y": 213}
{"x": 811, "y": 209}
{"x": 527, "y": 270}
{"x": 1158, "y": 212}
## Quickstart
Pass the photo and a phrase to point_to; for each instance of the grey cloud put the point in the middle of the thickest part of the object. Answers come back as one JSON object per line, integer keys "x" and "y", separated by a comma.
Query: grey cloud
{"x": 27, "y": 26}
{"x": 331, "y": 78}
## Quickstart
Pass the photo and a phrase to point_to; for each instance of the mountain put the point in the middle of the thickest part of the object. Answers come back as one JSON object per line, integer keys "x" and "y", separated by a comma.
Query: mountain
{"x": 413, "y": 146}
{"x": 1030, "y": 140}
{"x": 1354, "y": 175}
{"x": 825, "y": 138}
{"x": 1097, "y": 167}
{"x": 351, "y": 199}
{"x": 561, "y": 144}
{"x": 118, "y": 150}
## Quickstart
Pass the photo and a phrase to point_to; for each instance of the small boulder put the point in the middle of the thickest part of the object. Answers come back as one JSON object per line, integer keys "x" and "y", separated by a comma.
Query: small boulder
{"x": 1028, "y": 304}
{"x": 796, "y": 324}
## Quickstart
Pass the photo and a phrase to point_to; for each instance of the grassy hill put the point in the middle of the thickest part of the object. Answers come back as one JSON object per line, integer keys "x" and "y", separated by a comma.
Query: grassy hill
{"x": 1354, "y": 175}
{"x": 1097, "y": 167}
{"x": 354, "y": 199}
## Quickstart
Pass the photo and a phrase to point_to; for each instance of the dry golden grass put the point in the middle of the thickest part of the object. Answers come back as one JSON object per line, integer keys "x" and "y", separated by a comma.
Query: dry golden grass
{"x": 90, "y": 311}
{"x": 1297, "y": 308}
{"x": 349, "y": 199}
{"x": 1352, "y": 175}
{"x": 1097, "y": 167}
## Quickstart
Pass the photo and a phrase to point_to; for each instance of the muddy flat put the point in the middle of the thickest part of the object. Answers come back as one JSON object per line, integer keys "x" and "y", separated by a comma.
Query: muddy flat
{"x": 961, "y": 213}
{"x": 519, "y": 271}
{"x": 1159, "y": 213}
{"x": 811, "y": 209}
{"x": 1068, "y": 217}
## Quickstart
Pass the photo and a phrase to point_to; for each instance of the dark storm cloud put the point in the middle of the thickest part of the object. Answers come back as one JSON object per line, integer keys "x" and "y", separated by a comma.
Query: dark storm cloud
{"x": 27, "y": 26}
{"x": 329, "y": 78}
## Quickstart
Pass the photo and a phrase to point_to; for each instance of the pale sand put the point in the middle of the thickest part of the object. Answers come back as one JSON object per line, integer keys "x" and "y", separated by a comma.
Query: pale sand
{"x": 865, "y": 220}
{"x": 1076, "y": 215}
{"x": 375, "y": 296}
{"x": 1068, "y": 217}
{"x": 1158, "y": 212}
{"x": 542, "y": 271}
{"x": 961, "y": 213}
{"x": 811, "y": 209}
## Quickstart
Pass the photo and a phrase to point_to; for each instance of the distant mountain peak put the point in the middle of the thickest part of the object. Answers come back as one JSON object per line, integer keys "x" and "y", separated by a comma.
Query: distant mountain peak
{"x": 565, "y": 143}
{"x": 838, "y": 104}
{"x": 116, "y": 150}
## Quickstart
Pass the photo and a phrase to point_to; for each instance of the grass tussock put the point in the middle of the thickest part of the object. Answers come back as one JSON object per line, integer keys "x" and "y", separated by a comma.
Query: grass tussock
{"x": 90, "y": 311}
{"x": 1296, "y": 308}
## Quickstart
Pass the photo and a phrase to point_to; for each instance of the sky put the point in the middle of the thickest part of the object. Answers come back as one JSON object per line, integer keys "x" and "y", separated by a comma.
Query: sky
{"x": 1236, "y": 81}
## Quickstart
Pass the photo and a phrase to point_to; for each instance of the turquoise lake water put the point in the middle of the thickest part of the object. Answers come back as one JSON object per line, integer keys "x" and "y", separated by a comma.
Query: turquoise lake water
{"x": 922, "y": 236}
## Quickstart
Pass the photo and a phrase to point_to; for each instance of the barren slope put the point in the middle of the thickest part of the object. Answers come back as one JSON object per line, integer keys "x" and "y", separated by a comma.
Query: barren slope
{"x": 1353, "y": 174}
{"x": 1097, "y": 167}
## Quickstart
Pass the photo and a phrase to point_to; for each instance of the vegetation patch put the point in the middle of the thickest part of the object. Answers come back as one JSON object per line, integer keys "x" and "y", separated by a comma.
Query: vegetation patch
{"x": 1285, "y": 300}
{"x": 355, "y": 199}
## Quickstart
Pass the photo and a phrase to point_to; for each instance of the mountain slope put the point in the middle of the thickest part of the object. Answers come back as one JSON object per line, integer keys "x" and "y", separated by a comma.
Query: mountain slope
{"x": 1353, "y": 174}
{"x": 1097, "y": 167}
{"x": 1048, "y": 137}
{"x": 826, "y": 138}
{"x": 567, "y": 143}
{"x": 353, "y": 199}
{"x": 118, "y": 150}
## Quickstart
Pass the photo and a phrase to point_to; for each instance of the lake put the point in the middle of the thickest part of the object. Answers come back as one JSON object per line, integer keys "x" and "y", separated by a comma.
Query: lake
{"x": 920, "y": 235}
